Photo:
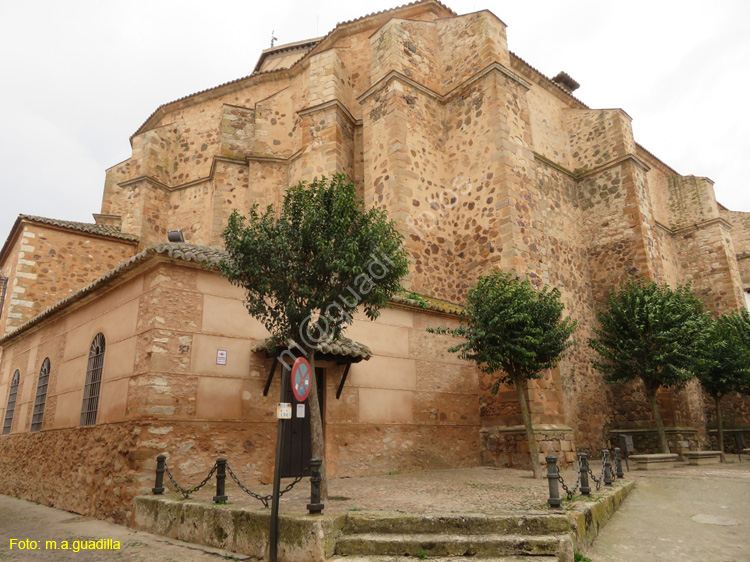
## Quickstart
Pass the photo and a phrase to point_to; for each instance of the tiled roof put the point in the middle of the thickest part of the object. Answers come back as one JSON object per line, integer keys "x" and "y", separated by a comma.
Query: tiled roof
{"x": 204, "y": 255}
{"x": 91, "y": 228}
{"x": 209, "y": 257}
{"x": 427, "y": 303}
{"x": 341, "y": 347}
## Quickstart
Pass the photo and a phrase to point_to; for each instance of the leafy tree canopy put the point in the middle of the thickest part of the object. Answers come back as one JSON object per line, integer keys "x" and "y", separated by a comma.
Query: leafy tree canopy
{"x": 650, "y": 332}
{"x": 512, "y": 329}
{"x": 308, "y": 267}
{"x": 726, "y": 366}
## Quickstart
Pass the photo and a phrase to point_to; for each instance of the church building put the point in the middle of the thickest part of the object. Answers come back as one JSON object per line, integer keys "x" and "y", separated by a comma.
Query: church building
{"x": 118, "y": 344}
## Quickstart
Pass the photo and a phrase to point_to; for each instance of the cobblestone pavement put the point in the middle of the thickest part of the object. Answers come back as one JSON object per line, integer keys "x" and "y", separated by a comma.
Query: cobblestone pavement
{"x": 20, "y": 520}
{"x": 689, "y": 514}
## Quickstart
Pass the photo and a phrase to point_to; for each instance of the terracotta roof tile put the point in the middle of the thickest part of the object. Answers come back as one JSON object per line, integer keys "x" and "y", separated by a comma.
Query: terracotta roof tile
{"x": 89, "y": 227}
{"x": 341, "y": 347}
{"x": 204, "y": 255}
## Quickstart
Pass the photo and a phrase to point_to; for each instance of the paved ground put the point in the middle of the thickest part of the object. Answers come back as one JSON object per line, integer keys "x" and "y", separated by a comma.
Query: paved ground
{"x": 20, "y": 519}
{"x": 690, "y": 514}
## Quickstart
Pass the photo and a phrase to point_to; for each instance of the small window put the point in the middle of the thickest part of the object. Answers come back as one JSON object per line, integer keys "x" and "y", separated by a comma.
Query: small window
{"x": 93, "y": 381}
{"x": 41, "y": 397}
{"x": 11, "y": 402}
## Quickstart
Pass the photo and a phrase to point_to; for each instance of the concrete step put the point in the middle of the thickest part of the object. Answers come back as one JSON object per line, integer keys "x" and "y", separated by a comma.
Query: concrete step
{"x": 463, "y": 524}
{"x": 387, "y": 558}
{"x": 445, "y": 544}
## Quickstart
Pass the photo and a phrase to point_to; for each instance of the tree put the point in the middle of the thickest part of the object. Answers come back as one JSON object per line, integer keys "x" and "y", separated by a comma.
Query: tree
{"x": 516, "y": 332}
{"x": 726, "y": 365}
{"x": 306, "y": 269}
{"x": 651, "y": 333}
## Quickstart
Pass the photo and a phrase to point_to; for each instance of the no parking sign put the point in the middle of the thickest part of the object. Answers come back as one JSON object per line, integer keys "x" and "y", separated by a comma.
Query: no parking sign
{"x": 301, "y": 379}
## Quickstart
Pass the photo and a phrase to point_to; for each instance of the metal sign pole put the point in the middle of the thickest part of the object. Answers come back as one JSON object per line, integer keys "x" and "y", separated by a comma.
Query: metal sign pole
{"x": 274, "y": 531}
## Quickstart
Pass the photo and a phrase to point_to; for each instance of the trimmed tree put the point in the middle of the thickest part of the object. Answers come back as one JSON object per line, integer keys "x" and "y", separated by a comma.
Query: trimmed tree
{"x": 726, "y": 367}
{"x": 653, "y": 334}
{"x": 308, "y": 267}
{"x": 514, "y": 332}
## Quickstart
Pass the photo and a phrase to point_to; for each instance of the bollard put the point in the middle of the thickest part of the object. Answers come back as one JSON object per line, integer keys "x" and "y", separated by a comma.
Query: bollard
{"x": 315, "y": 507}
{"x": 159, "y": 484}
{"x": 583, "y": 460}
{"x": 618, "y": 463}
{"x": 221, "y": 479}
{"x": 607, "y": 468}
{"x": 554, "y": 500}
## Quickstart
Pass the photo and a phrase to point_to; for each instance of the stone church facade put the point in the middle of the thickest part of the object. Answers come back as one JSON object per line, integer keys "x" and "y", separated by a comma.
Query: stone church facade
{"x": 112, "y": 335}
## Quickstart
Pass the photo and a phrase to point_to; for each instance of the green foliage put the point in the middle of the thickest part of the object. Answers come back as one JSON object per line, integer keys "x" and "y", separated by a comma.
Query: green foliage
{"x": 321, "y": 254}
{"x": 512, "y": 329}
{"x": 726, "y": 365}
{"x": 650, "y": 332}
{"x": 581, "y": 558}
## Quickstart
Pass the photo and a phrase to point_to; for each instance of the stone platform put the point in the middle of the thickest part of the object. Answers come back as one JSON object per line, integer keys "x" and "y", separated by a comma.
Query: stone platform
{"x": 438, "y": 529}
{"x": 659, "y": 461}
{"x": 702, "y": 457}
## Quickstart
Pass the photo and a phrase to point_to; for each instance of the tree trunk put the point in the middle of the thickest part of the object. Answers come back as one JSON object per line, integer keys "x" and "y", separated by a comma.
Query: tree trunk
{"x": 521, "y": 387}
{"x": 719, "y": 425}
{"x": 316, "y": 427}
{"x": 663, "y": 443}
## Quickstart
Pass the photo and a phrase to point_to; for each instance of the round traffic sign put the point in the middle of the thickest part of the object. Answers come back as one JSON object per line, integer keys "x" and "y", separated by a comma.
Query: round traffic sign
{"x": 301, "y": 379}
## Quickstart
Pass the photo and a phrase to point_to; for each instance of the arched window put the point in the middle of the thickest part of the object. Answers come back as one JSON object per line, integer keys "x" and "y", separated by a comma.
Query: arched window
{"x": 11, "y": 402}
{"x": 90, "y": 405}
{"x": 41, "y": 397}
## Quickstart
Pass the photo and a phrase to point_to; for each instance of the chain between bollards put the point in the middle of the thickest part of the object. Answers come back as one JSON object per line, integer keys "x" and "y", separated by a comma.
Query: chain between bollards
{"x": 159, "y": 484}
{"x": 554, "y": 500}
{"x": 315, "y": 507}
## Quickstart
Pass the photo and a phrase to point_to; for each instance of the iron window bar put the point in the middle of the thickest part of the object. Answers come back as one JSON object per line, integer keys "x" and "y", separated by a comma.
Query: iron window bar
{"x": 11, "y": 408}
{"x": 41, "y": 396}
{"x": 90, "y": 405}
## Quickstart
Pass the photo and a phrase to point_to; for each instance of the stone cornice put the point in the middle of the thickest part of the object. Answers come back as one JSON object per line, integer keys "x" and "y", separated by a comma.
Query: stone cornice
{"x": 442, "y": 98}
{"x": 612, "y": 163}
{"x": 329, "y": 104}
{"x": 586, "y": 173}
{"x": 696, "y": 226}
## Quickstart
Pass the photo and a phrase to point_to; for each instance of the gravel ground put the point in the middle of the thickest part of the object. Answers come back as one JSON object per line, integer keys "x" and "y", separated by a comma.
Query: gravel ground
{"x": 468, "y": 490}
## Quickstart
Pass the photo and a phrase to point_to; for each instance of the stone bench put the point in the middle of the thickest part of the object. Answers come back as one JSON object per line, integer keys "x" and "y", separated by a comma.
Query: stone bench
{"x": 702, "y": 457}
{"x": 659, "y": 461}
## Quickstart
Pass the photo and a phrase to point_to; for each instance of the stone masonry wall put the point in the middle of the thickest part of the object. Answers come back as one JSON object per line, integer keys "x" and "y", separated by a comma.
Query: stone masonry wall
{"x": 49, "y": 264}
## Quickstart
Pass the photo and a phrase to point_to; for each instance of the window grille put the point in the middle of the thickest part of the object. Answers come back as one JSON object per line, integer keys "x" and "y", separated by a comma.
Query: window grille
{"x": 41, "y": 396}
{"x": 11, "y": 402}
{"x": 3, "y": 288}
{"x": 94, "y": 368}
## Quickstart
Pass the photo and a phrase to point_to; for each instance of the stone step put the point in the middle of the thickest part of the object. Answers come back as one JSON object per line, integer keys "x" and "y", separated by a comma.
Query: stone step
{"x": 464, "y": 524}
{"x": 446, "y": 545}
{"x": 389, "y": 558}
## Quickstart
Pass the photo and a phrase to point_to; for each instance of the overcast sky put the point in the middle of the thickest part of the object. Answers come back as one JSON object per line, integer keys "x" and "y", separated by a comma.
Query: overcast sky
{"x": 79, "y": 77}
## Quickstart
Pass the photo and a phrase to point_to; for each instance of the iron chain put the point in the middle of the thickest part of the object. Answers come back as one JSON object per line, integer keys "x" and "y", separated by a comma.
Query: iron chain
{"x": 263, "y": 499}
{"x": 570, "y": 493}
{"x": 186, "y": 492}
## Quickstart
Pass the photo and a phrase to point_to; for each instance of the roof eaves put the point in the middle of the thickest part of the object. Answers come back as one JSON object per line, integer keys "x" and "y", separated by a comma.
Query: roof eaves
{"x": 84, "y": 228}
{"x": 205, "y": 256}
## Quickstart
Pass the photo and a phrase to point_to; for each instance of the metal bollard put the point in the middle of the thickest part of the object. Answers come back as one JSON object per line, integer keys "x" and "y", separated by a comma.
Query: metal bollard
{"x": 583, "y": 460}
{"x": 618, "y": 463}
{"x": 554, "y": 500}
{"x": 315, "y": 507}
{"x": 607, "y": 467}
{"x": 159, "y": 484}
{"x": 221, "y": 479}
